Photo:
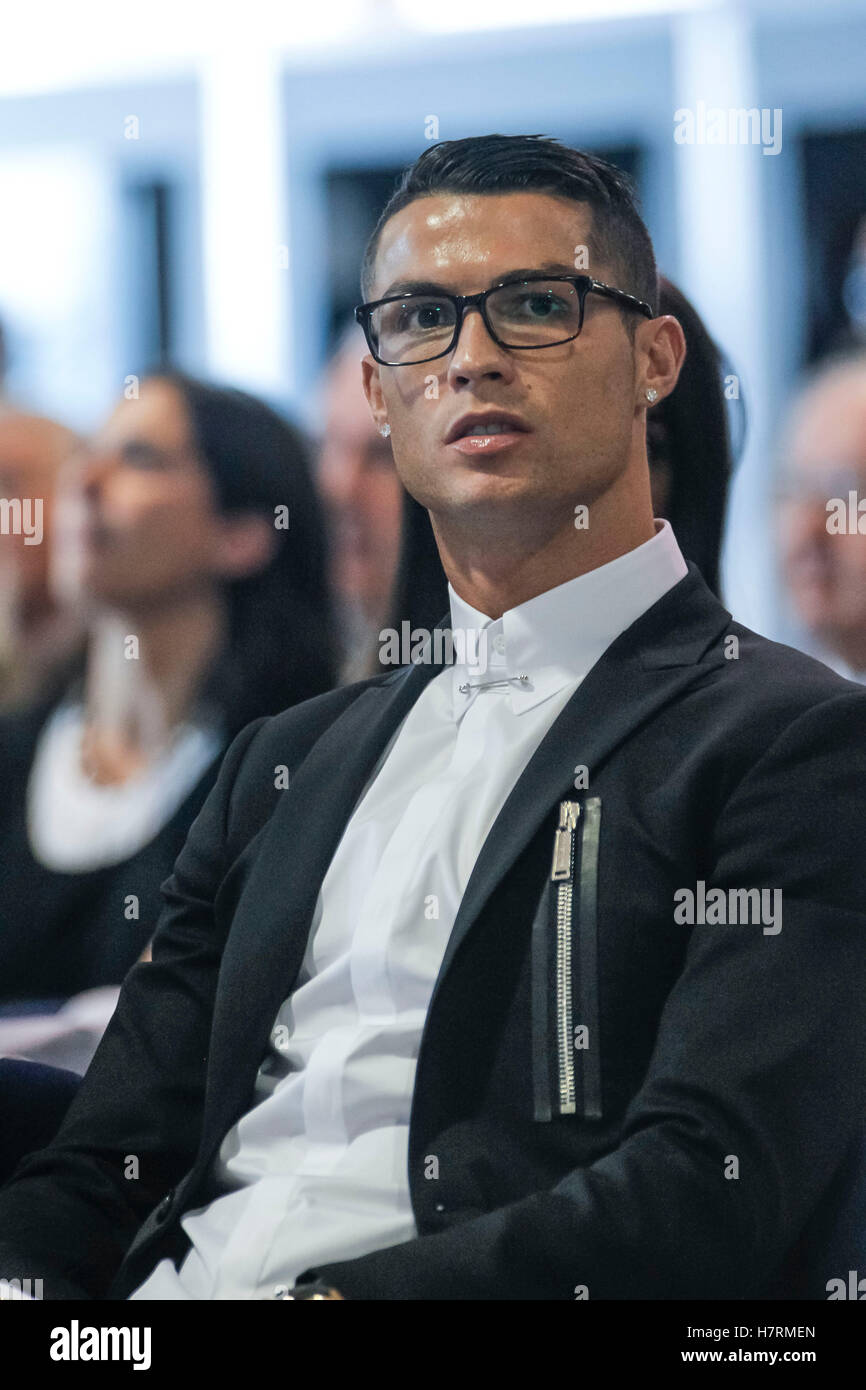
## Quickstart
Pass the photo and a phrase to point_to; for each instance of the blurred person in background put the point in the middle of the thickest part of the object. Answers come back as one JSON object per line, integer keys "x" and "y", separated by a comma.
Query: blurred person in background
{"x": 363, "y": 497}
{"x": 821, "y": 535}
{"x": 5, "y": 403}
{"x": 38, "y": 635}
{"x": 691, "y": 457}
{"x": 854, "y": 293}
{"x": 203, "y": 613}
{"x": 838, "y": 324}
{"x": 691, "y": 446}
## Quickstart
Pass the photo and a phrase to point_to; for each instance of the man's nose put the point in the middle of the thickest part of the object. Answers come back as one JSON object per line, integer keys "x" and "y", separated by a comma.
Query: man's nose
{"x": 475, "y": 354}
{"x": 805, "y": 518}
{"x": 94, "y": 467}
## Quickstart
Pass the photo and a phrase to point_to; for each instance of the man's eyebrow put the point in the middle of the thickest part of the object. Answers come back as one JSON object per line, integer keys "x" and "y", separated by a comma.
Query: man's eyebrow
{"x": 436, "y": 287}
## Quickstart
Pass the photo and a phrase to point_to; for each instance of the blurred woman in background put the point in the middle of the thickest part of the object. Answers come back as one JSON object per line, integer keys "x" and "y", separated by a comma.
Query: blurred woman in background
{"x": 190, "y": 532}
{"x": 694, "y": 440}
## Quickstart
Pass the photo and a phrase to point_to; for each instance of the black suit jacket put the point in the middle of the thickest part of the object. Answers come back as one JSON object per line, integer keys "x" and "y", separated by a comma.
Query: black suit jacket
{"x": 680, "y": 1150}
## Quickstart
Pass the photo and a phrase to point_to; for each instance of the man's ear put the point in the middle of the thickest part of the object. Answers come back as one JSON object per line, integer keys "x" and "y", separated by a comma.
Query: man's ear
{"x": 373, "y": 389}
{"x": 248, "y": 542}
{"x": 662, "y": 351}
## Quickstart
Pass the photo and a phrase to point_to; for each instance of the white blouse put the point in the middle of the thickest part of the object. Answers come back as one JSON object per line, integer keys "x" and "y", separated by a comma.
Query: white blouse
{"x": 75, "y": 825}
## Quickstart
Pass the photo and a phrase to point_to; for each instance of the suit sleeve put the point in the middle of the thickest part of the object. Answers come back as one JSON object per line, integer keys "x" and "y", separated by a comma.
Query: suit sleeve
{"x": 755, "y": 1091}
{"x": 70, "y": 1211}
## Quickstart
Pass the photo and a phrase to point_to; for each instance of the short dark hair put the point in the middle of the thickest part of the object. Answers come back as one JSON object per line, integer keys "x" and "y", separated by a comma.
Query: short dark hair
{"x": 538, "y": 163}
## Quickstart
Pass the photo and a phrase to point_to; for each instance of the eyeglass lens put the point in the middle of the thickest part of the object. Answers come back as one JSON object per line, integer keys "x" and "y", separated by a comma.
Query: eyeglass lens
{"x": 534, "y": 313}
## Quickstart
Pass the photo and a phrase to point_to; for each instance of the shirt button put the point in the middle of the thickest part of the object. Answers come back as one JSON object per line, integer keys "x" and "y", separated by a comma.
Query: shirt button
{"x": 499, "y": 643}
{"x": 440, "y": 1206}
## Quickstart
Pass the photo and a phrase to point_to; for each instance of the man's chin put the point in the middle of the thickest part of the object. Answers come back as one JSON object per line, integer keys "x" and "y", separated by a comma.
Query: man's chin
{"x": 487, "y": 486}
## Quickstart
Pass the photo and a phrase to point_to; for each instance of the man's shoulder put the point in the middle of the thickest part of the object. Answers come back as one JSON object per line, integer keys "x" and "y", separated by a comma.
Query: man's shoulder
{"x": 302, "y": 725}
{"x": 738, "y": 669}
{"x": 773, "y": 672}
{"x": 758, "y": 689}
{"x": 276, "y": 745}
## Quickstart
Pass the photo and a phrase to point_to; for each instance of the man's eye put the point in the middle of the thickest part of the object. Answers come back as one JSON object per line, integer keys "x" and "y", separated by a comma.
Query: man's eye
{"x": 415, "y": 318}
{"x": 537, "y": 306}
{"x": 140, "y": 455}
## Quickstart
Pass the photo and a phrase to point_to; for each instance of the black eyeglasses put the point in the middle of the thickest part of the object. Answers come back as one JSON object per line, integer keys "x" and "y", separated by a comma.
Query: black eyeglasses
{"x": 534, "y": 312}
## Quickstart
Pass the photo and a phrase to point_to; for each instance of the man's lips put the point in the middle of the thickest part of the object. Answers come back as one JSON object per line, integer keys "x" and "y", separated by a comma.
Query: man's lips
{"x": 486, "y": 432}
{"x": 488, "y": 443}
{"x": 478, "y": 422}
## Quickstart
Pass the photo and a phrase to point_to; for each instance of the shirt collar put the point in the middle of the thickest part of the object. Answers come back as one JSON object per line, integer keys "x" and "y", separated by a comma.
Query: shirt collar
{"x": 557, "y": 637}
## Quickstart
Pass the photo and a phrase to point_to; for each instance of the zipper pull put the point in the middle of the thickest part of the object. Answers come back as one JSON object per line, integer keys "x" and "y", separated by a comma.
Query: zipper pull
{"x": 563, "y": 842}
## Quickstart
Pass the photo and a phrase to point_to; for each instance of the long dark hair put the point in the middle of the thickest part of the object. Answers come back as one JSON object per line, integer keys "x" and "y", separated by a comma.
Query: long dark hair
{"x": 281, "y": 642}
{"x": 419, "y": 592}
{"x": 691, "y": 431}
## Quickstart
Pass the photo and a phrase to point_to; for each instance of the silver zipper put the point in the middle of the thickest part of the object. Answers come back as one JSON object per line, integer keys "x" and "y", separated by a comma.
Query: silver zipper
{"x": 562, "y": 874}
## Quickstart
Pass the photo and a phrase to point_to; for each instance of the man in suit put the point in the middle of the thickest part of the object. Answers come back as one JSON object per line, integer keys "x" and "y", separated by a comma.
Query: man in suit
{"x": 533, "y": 969}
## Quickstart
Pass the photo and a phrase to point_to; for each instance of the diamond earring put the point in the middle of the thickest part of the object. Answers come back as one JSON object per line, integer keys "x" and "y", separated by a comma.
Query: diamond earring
{"x": 651, "y": 394}
{"x": 385, "y": 430}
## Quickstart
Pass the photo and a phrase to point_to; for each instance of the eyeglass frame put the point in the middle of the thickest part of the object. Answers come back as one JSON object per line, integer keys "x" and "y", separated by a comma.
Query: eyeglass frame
{"x": 584, "y": 284}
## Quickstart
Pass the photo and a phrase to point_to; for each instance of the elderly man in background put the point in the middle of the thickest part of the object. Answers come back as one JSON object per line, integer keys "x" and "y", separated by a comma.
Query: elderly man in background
{"x": 821, "y": 515}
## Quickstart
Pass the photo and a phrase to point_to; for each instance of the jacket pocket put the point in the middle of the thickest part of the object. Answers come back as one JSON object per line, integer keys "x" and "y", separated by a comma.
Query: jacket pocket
{"x": 566, "y": 1062}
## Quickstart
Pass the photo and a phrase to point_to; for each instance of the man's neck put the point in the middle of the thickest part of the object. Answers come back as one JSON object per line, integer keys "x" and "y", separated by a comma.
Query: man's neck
{"x": 143, "y": 671}
{"x": 495, "y": 578}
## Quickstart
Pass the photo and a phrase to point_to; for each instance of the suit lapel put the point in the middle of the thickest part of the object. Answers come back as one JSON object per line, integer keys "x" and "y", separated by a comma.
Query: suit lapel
{"x": 651, "y": 663}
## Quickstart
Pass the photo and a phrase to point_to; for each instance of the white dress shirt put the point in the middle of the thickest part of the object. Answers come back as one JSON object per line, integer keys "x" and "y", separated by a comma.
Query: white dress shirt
{"x": 316, "y": 1171}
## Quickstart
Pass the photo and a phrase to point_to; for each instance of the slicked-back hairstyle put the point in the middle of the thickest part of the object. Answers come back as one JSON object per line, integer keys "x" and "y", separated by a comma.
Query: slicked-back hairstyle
{"x": 496, "y": 164}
